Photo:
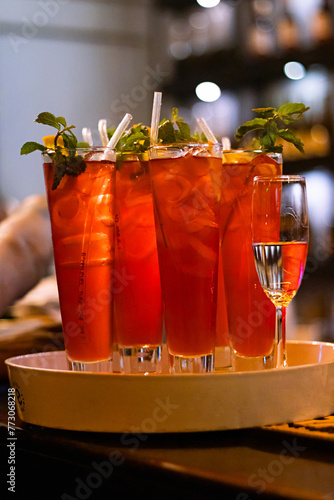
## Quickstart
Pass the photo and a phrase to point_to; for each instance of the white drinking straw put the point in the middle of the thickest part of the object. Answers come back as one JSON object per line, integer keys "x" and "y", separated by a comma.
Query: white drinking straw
{"x": 87, "y": 136}
{"x": 119, "y": 130}
{"x": 103, "y": 131}
{"x": 226, "y": 143}
{"x": 155, "y": 117}
{"x": 206, "y": 130}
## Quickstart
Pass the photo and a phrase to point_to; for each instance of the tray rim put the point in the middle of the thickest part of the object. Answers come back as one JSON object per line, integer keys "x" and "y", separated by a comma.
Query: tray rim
{"x": 10, "y": 362}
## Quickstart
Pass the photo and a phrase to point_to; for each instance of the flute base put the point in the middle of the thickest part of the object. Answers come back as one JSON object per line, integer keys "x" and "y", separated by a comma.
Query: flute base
{"x": 104, "y": 366}
{"x": 185, "y": 364}
{"x": 140, "y": 359}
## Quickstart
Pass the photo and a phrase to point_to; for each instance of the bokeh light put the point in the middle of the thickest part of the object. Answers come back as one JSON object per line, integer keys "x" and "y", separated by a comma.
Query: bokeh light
{"x": 207, "y": 4}
{"x": 294, "y": 70}
{"x": 208, "y": 91}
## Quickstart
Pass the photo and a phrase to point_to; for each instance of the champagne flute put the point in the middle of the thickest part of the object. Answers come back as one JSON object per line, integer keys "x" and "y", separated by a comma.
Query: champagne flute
{"x": 280, "y": 232}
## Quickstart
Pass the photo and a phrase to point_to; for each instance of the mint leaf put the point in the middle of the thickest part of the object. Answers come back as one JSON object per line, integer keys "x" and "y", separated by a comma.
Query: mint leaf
{"x": 272, "y": 131}
{"x": 60, "y": 169}
{"x": 292, "y": 108}
{"x": 287, "y": 112}
{"x": 61, "y": 120}
{"x": 184, "y": 134}
{"x": 266, "y": 142}
{"x": 265, "y": 112}
{"x": 256, "y": 124}
{"x": 30, "y": 147}
{"x": 289, "y": 136}
{"x": 136, "y": 140}
{"x": 177, "y": 130}
{"x": 70, "y": 141}
{"x": 166, "y": 133}
{"x": 133, "y": 139}
{"x": 48, "y": 119}
{"x": 184, "y": 129}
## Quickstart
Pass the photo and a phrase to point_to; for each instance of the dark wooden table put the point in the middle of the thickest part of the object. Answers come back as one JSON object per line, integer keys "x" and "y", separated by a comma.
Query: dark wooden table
{"x": 287, "y": 462}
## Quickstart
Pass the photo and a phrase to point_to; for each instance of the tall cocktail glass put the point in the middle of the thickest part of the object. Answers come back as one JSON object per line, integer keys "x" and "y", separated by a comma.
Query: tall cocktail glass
{"x": 83, "y": 232}
{"x": 137, "y": 301}
{"x": 251, "y": 315}
{"x": 186, "y": 188}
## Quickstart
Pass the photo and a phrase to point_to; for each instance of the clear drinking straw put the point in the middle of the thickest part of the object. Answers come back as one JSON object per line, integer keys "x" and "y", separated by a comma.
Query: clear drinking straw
{"x": 155, "y": 117}
{"x": 206, "y": 130}
{"x": 226, "y": 143}
{"x": 87, "y": 136}
{"x": 103, "y": 132}
{"x": 119, "y": 130}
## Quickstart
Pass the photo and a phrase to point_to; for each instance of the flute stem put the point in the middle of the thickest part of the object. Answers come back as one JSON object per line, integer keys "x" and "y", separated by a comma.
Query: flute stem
{"x": 281, "y": 360}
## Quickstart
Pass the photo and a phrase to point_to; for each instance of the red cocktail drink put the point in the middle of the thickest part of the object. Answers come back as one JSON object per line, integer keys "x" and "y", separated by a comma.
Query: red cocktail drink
{"x": 251, "y": 315}
{"x": 138, "y": 302}
{"x": 185, "y": 180}
{"x": 83, "y": 232}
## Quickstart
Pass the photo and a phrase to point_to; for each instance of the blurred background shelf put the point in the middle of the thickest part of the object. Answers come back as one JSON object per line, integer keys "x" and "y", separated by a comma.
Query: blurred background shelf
{"x": 232, "y": 70}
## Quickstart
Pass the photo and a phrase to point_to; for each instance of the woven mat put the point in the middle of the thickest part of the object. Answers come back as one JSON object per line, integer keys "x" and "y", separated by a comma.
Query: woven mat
{"x": 321, "y": 428}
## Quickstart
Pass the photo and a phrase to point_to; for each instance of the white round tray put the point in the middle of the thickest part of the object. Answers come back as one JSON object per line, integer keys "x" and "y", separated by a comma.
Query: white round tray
{"x": 50, "y": 395}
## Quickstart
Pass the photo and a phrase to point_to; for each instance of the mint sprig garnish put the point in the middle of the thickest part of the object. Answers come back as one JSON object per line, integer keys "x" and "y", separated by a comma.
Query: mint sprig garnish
{"x": 176, "y": 130}
{"x": 68, "y": 162}
{"x": 271, "y": 121}
{"x": 135, "y": 140}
